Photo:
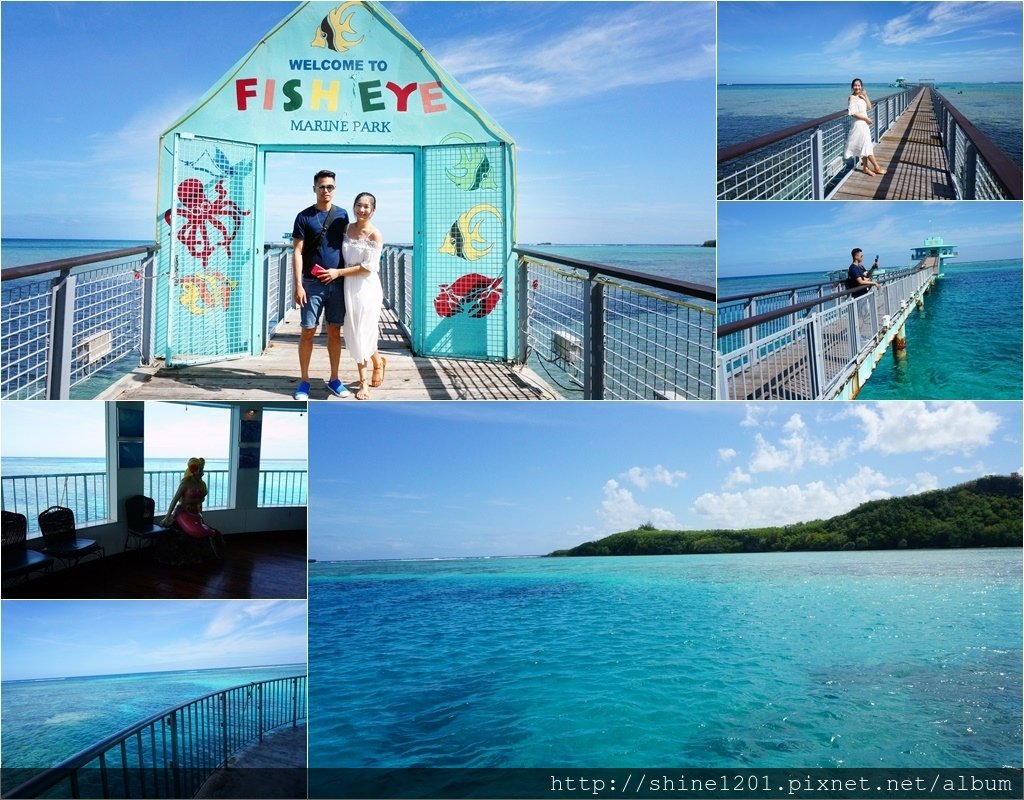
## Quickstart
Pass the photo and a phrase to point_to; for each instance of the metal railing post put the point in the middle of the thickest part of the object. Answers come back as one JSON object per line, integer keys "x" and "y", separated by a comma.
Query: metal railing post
{"x": 224, "y": 726}
{"x": 402, "y": 300}
{"x": 148, "y": 272}
{"x": 816, "y": 353}
{"x": 62, "y": 325}
{"x": 172, "y": 722}
{"x": 818, "y": 165}
{"x": 295, "y": 702}
{"x": 970, "y": 176}
{"x": 523, "y": 311}
{"x": 259, "y": 708}
{"x": 593, "y": 340}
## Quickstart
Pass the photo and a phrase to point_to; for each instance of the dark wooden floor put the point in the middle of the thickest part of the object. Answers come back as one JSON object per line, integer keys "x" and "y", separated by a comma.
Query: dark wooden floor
{"x": 268, "y": 565}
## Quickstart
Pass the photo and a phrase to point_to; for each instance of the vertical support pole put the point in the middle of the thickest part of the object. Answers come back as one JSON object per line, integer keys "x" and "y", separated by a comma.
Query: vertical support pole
{"x": 818, "y": 165}
{"x": 295, "y": 702}
{"x": 224, "y": 727}
{"x": 816, "y": 354}
{"x": 722, "y": 389}
{"x": 593, "y": 340}
{"x": 403, "y": 268}
{"x": 148, "y": 326}
{"x": 259, "y": 707}
{"x": 523, "y": 310}
{"x": 172, "y": 720}
{"x": 62, "y": 324}
{"x": 285, "y": 296}
{"x": 970, "y": 176}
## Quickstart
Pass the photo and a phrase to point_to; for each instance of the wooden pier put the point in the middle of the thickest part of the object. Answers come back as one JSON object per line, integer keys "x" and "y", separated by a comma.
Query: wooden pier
{"x": 915, "y": 161}
{"x": 787, "y": 372}
{"x": 274, "y": 375}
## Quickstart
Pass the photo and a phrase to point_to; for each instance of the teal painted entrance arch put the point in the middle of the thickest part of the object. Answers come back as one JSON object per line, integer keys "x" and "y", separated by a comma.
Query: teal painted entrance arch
{"x": 335, "y": 78}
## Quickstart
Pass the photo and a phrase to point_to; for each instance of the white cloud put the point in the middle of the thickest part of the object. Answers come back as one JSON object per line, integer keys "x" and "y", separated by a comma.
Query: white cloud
{"x": 620, "y": 511}
{"x": 784, "y": 505}
{"x": 737, "y": 478}
{"x": 642, "y": 477}
{"x": 923, "y": 482}
{"x": 918, "y": 427}
{"x": 931, "y": 21}
{"x": 726, "y": 453}
{"x": 797, "y": 448}
{"x": 649, "y": 44}
{"x": 753, "y": 416}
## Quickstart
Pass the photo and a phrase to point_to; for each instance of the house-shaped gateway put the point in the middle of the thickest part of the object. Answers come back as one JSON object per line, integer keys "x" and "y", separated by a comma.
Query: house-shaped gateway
{"x": 336, "y": 79}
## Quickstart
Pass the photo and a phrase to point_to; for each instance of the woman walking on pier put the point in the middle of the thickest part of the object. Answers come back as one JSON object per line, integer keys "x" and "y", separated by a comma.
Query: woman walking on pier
{"x": 858, "y": 144}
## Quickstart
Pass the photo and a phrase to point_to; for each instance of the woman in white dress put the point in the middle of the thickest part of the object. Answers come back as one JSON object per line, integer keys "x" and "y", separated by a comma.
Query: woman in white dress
{"x": 364, "y": 296}
{"x": 858, "y": 144}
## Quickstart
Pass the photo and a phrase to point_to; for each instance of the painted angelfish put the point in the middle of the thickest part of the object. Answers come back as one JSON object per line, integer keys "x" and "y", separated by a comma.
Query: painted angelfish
{"x": 465, "y": 234}
{"x": 473, "y": 170}
{"x": 333, "y": 27}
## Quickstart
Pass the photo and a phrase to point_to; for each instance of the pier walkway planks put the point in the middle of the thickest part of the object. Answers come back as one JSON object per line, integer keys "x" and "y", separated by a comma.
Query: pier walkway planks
{"x": 274, "y": 375}
{"x": 915, "y": 160}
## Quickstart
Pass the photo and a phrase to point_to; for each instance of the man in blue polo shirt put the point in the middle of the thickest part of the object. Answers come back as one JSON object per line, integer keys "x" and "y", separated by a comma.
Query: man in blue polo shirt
{"x": 317, "y": 237}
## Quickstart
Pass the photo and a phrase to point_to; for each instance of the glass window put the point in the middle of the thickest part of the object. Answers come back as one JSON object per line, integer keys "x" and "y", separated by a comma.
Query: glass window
{"x": 283, "y": 466}
{"x": 176, "y": 432}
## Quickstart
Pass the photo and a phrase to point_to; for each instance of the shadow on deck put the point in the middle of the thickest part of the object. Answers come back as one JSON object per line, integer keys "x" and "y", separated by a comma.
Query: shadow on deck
{"x": 273, "y": 768}
{"x": 274, "y": 374}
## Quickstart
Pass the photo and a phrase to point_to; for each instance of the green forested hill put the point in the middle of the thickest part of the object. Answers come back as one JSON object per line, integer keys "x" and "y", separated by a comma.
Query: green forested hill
{"x": 982, "y": 513}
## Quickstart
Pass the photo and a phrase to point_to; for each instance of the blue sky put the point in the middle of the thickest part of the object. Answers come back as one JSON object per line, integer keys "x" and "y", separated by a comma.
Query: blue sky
{"x": 774, "y": 238}
{"x": 76, "y": 429}
{"x": 419, "y": 480}
{"x": 599, "y": 97}
{"x": 833, "y": 42}
{"x": 51, "y": 638}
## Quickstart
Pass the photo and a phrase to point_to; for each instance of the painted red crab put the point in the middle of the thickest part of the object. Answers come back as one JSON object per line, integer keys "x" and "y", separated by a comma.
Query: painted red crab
{"x": 473, "y": 294}
{"x": 199, "y": 212}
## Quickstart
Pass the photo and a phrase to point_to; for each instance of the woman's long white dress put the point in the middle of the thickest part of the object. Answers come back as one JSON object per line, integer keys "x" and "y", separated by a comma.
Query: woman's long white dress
{"x": 363, "y": 298}
{"x": 858, "y": 144}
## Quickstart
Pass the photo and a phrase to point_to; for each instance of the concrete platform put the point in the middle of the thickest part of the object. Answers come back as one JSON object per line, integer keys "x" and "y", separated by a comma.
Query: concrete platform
{"x": 273, "y": 768}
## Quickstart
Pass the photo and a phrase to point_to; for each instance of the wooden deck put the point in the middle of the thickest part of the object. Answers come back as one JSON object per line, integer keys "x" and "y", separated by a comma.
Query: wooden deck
{"x": 269, "y": 565}
{"x": 274, "y": 375}
{"x": 912, "y": 154}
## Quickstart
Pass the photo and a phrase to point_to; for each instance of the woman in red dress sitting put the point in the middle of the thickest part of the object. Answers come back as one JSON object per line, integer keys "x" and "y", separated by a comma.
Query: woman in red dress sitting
{"x": 186, "y": 507}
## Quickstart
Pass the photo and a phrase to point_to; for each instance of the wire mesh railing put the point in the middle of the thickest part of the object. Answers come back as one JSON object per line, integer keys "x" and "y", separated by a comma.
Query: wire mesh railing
{"x": 803, "y": 162}
{"x": 807, "y": 351}
{"x": 597, "y": 332}
{"x": 87, "y": 493}
{"x": 73, "y": 327}
{"x": 173, "y": 753}
{"x": 600, "y": 332}
{"x": 65, "y": 322}
{"x": 980, "y": 170}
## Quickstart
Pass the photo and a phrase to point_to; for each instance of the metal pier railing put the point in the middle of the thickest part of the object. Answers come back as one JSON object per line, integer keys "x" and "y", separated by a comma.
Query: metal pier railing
{"x": 71, "y": 327}
{"x": 598, "y": 332}
{"x": 172, "y": 753}
{"x": 86, "y": 493}
{"x": 803, "y": 162}
{"x": 980, "y": 170}
{"x": 812, "y": 349}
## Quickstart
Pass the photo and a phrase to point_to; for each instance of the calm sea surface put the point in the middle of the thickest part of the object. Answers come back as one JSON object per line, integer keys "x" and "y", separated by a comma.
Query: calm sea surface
{"x": 746, "y": 111}
{"x": 684, "y": 262}
{"x": 967, "y": 343}
{"x": 46, "y": 721}
{"x": 796, "y": 660}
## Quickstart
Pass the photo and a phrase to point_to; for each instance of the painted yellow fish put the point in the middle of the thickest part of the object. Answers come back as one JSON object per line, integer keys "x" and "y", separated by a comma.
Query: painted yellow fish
{"x": 473, "y": 170}
{"x": 333, "y": 27}
{"x": 464, "y": 235}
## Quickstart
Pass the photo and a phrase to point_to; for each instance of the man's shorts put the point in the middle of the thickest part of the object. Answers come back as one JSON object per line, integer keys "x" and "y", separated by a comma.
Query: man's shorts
{"x": 323, "y": 299}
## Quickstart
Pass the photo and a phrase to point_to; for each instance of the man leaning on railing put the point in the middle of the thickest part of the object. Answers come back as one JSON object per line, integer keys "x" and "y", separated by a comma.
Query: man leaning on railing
{"x": 858, "y": 275}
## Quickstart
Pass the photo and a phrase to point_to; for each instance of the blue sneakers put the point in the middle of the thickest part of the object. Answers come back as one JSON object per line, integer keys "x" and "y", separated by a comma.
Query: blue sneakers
{"x": 301, "y": 391}
{"x": 338, "y": 389}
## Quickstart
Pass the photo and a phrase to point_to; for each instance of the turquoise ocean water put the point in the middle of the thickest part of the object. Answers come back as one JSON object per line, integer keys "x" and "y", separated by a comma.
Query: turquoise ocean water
{"x": 746, "y": 111}
{"x": 788, "y": 660}
{"x": 46, "y": 721}
{"x": 966, "y": 344}
{"x": 684, "y": 262}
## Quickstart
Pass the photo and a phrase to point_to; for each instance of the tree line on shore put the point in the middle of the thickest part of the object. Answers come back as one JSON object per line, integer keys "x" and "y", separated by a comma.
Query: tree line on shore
{"x": 986, "y": 512}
